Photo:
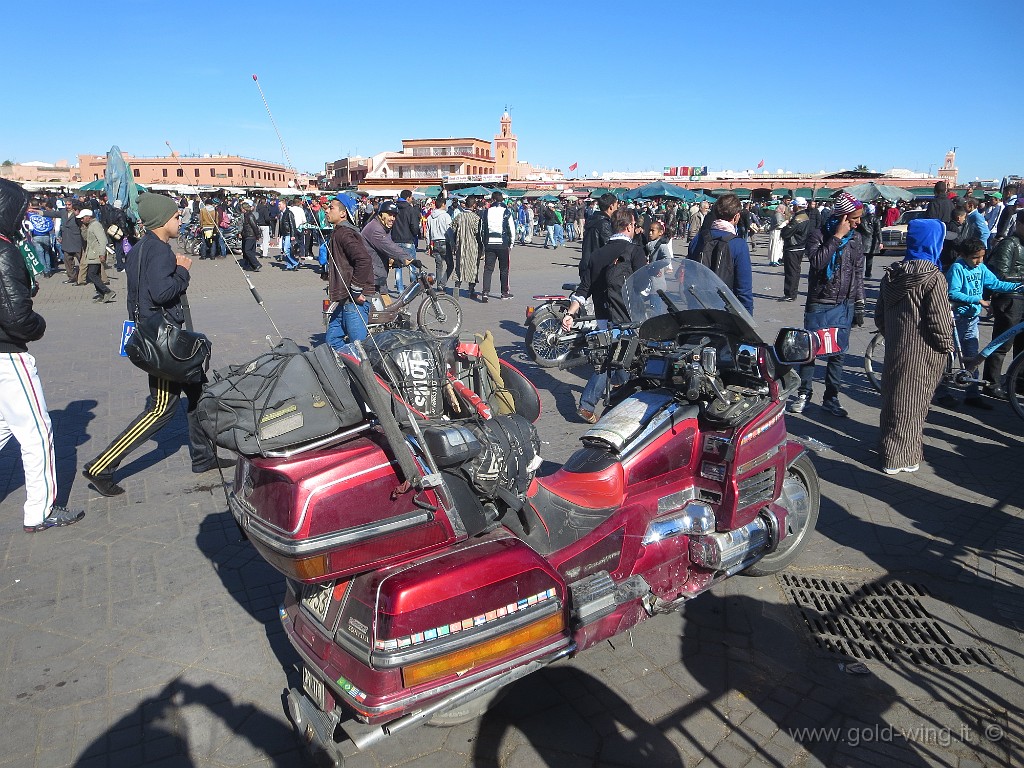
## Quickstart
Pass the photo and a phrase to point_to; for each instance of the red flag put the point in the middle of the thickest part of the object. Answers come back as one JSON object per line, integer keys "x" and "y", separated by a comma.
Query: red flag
{"x": 574, "y": 166}
{"x": 761, "y": 164}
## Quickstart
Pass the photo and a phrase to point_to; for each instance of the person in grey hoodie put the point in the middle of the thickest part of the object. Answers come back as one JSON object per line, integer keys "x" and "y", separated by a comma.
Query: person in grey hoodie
{"x": 439, "y": 224}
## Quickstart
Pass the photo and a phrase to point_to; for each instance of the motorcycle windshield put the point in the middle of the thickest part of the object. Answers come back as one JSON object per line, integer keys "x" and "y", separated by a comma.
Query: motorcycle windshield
{"x": 671, "y": 295}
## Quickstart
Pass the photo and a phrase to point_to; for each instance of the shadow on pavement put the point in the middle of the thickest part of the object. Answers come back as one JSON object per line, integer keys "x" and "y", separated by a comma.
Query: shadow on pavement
{"x": 569, "y": 716}
{"x": 158, "y": 730}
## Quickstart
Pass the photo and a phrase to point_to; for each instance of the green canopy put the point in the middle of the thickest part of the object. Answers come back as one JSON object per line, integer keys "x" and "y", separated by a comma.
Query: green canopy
{"x": 742, "y": 192}
{"x": 514, "y": 192}
{"x": 658, "y": 189}
{"x": 779, "y": 191}
{"x": 822, "y": 193}
{"x": 598, "y": 191}
{"x": 472, "y": 191}
{"x": 719, "y": 191}
{"x": 922, "y": 190}
{"x": 548, "y": 198}
{"x": 805, "y": 192}
{"x": 432, "y": 191}
{"x": 99, "y": 185}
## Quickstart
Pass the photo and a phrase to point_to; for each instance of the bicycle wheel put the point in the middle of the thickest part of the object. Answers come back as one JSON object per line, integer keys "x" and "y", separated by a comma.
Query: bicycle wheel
{"x": 542, "y": 338}
{"x": 1015, "y": 385}
{"x": 874, "y": 360}
{"x": 439, "y": 315}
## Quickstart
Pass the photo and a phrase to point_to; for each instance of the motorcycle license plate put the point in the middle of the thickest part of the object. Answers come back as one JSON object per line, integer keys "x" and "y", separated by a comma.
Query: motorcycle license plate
{"x": 314, "y": 688}
{"x": 316, "y": 598}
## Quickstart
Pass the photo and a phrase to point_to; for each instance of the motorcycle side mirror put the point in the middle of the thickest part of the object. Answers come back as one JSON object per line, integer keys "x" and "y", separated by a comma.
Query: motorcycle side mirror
{"x": 795, "y": 346}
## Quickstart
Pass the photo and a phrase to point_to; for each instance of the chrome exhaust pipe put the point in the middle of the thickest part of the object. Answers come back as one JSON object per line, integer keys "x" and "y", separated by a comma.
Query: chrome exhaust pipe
{"x": 732, "y": 551}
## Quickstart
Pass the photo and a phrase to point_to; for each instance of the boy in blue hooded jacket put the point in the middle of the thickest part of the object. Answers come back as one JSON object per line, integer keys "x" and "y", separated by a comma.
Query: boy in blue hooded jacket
{"x": 968, "y": 278}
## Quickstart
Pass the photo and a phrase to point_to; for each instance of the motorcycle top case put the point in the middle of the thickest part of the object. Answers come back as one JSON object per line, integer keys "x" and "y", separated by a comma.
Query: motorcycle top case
{"x": 334, "y": 512}
{"x": 282, "y": 399}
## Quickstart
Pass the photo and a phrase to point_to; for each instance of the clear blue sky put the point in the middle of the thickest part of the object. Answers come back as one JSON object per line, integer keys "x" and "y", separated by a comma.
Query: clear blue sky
{"x": 804, "y": 86}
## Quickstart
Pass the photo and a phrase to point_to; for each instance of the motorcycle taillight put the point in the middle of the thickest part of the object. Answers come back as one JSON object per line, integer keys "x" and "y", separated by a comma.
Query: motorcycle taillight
{"x": 327, "y": 305}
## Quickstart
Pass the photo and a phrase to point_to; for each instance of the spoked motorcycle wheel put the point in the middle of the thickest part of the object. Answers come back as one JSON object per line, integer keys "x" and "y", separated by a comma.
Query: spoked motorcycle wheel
{"x": 439, "y": 315}
{"x": 542, "y": 338}
{"x": 874, "y": 360}
{"x": 1015, "y": 385}
{"x": 801, "y": 496}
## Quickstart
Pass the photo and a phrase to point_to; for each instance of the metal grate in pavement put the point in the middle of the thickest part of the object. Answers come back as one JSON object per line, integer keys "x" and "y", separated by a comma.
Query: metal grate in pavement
{"x": 884, "y": 621}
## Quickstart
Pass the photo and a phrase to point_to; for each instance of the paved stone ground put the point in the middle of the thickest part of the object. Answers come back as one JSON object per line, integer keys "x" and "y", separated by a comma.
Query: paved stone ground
{"x": 147, "y": 634}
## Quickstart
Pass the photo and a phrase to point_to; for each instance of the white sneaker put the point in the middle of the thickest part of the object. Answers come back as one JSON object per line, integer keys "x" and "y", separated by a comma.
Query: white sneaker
{"x": 799, "y": 403}
{"x": 897, "y": 470}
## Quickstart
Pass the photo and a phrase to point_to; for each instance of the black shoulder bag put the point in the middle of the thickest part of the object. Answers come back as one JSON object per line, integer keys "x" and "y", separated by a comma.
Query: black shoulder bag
{"x": 161, "y": 348}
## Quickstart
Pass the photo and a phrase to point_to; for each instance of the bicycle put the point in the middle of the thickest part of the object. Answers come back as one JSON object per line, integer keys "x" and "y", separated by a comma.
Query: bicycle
{"x": 959, "y": 373}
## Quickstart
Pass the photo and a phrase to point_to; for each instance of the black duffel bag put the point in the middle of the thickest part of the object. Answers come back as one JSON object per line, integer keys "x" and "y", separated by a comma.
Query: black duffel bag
{"x": 283, "y": 398}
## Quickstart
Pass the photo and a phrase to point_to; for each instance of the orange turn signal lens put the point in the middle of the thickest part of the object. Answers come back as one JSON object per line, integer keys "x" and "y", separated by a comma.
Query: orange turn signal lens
{"x": 529, "y": 312}
{"x": 311, "y": 567}
{"x": 477, "y": 655}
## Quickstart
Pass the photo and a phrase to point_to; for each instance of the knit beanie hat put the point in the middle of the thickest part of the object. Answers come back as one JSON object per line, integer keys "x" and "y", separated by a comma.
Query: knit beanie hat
{"x": 844, "y": 202}
{"x": 155, "y": 210}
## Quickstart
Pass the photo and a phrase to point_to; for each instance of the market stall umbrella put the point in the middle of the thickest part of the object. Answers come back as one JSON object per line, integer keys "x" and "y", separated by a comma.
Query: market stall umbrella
{"x": 598, "y": 191}
{"x": 548, "y": 198}
{"x": 870, "y": 191}
{"x": 98, "y": 185}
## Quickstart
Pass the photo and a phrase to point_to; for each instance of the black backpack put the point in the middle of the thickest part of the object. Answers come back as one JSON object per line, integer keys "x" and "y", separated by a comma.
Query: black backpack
{"x": 716, "y": 256}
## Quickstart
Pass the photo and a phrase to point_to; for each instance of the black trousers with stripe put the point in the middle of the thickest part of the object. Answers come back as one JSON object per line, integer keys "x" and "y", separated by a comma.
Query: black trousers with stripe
{"x": 161, "y": 405}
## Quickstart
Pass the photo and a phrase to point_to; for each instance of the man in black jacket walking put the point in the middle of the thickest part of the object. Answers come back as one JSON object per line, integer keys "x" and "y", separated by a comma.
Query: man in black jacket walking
{"x": 250, "y": 234}
{"x": 941, "y": 207}
{"x": 23, "y": 413}
{"x": 157, "y": 281}
{"x": 794, "y": 235}
{"x": 405, "y": 233}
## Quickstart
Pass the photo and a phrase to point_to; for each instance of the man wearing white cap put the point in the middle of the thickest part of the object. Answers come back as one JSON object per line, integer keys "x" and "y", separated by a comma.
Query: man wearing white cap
{"x": 95, "y": 254}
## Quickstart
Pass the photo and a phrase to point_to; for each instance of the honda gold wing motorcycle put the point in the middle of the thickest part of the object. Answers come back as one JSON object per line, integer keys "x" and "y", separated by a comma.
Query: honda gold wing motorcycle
{"x": 428, "y": 567}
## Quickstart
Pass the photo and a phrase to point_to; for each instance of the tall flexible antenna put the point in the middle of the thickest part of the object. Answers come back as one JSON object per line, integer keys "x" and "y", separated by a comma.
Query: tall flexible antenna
{"x": 252, "y": 288}
{"x": 273, "y": 122}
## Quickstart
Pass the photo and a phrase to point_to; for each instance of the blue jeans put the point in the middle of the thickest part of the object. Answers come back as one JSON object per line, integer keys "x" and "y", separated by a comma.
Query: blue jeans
{"x": 967, "y": 331}
{"x": 570, "y": 230}
{"x": 286, "y": 252}
{"x": 559, "y": 235}
{"x": 816, "y": 318}
{"x": 594, "y": 390}
{"x": 410, "y": 248}
{"x": 347, "y": 324}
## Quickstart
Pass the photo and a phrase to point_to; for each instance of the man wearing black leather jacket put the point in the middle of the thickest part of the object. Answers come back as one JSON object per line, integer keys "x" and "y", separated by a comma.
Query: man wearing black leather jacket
{"x": 794, "y": 236}
{"x": 23, "y": 413}
{"x": 598, "y": 229}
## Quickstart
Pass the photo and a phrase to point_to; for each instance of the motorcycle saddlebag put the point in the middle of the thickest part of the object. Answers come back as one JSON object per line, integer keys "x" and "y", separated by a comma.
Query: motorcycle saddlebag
{"x": 282, "y": 399}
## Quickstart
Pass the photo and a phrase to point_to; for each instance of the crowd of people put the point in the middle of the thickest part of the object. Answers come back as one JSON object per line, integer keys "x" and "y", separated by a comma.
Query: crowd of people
{"x": 964, "y": 257}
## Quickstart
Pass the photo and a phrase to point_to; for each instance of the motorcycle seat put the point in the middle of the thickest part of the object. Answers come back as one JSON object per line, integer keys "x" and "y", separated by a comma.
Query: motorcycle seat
{"x": 599, "y": 489}
{"x": 564, "y": 507}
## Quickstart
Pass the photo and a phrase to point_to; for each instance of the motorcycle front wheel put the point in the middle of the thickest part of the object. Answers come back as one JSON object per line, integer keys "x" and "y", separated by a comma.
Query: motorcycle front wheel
{"x": 801, "y": 496}
{"x": 1015, "y": 385}
{"x": 542, "y": 338}
{"x": 874, "y": 360}
{"x": 439, "y": 315}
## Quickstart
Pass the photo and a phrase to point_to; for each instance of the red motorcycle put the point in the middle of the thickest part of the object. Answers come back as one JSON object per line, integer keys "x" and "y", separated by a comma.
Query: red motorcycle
{"x": 428, "y": 567}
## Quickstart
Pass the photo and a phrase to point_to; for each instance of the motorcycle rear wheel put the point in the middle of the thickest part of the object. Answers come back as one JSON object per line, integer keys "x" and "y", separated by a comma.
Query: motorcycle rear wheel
{"x": 801, "y": 496}
{"x": 1015, "y": 385}
{"x": 545, "y": 325}
{"x": 439, "y": 315}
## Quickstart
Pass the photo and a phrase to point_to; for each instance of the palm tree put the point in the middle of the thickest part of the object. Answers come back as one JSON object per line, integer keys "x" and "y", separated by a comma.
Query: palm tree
{"x": 861, "y": 168}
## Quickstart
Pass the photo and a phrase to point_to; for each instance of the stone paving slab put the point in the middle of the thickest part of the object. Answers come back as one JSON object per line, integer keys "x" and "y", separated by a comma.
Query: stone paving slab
{"x": 148, "y": 633}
